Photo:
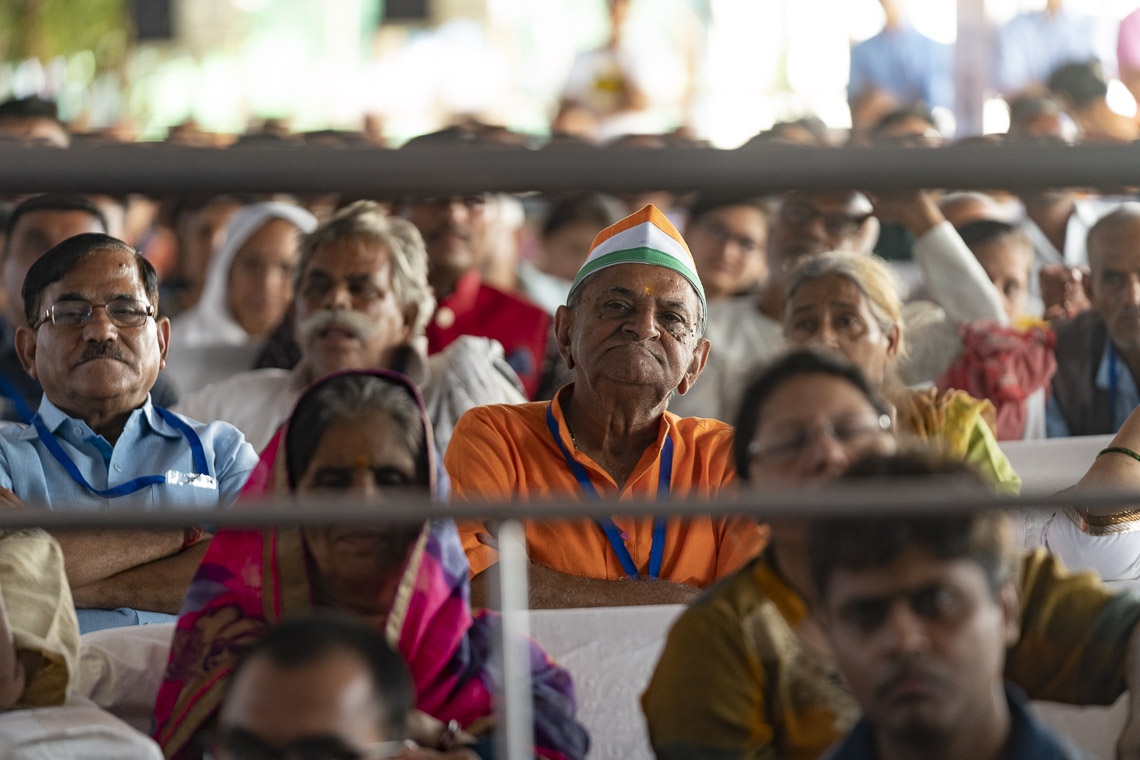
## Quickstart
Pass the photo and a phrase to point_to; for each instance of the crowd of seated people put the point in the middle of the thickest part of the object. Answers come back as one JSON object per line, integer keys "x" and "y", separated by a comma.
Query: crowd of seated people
{"x": 231, "y": 352}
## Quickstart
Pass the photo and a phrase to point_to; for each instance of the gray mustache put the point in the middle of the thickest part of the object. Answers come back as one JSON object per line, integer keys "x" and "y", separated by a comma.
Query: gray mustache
{"x": 354, "y": 322}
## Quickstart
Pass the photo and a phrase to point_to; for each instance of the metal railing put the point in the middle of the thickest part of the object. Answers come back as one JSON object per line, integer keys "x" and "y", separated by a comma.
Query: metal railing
{"x": 378, "y": 173}
{"x": 157, "y": 169}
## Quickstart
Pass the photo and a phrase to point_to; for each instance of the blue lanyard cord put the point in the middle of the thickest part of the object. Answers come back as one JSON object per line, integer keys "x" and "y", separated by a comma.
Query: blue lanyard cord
{"x": 609, "y": 528}
{"x": 131, "y": 486}
{"x": 9, "y": 391}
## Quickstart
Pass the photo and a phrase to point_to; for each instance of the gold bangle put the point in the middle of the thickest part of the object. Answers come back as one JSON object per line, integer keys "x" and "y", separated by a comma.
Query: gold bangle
{"x": 1124, "y": 521}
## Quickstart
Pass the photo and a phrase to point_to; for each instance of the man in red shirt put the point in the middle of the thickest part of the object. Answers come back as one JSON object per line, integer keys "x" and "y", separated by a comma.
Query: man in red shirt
{"x": 453, "y": 228}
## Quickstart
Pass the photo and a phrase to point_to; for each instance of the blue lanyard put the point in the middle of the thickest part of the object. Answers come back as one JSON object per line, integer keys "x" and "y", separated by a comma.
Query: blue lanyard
{"x": 9, "y": 391}
{"x": 131, "y": 486}
{"x": 613, "y": 533}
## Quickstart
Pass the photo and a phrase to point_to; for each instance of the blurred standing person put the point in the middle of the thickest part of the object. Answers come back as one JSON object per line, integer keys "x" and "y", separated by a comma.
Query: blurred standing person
{"x": 897, "y": 67}
{"x": 1033, "y": 45}
{"x": 604, "y": 93}
{"x": 1128, "y": 52}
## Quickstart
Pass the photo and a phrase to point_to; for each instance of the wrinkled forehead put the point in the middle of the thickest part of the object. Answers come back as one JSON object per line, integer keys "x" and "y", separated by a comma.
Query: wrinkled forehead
{"x": 642, "y": 280}
{"x": 1115, "y": 244}
{"x": 100, "y": 269}
{"x": 849, "y": 202}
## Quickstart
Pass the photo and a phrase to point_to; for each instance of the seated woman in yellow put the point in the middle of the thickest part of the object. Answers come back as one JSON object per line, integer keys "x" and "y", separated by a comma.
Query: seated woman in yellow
{"x": 746, "y": 671}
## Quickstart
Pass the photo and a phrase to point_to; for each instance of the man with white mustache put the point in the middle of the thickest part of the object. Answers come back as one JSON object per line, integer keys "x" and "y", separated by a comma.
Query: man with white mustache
{"x": 362, "y": 300}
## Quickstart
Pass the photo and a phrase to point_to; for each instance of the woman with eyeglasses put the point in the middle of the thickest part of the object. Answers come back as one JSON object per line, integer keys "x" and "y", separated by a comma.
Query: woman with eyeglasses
{"x": 366, "y": 434}
{"x": 849, "y": 303}
{"x": 746, "y": 671}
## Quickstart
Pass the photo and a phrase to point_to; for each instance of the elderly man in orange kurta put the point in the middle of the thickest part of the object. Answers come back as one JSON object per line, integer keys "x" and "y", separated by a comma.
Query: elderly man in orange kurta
{"x": 632, "y": 333}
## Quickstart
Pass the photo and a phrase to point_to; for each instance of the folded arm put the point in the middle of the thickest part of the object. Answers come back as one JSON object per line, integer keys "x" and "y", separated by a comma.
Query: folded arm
{"x": 96, "y": 555}
{"x": 156, "y": 586}
{"x": 550, "y": 589}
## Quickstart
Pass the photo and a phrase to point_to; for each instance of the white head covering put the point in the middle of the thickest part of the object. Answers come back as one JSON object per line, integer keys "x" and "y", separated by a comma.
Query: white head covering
{"x": 209, "y": 324}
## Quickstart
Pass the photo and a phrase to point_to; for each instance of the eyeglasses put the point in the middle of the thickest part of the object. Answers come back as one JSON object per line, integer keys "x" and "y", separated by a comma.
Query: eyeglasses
{"x": 239, "y": 744}
{"x": 838, "y": 224}
{"x": 792, "y": 442}
{"x": 722, "y": 234}
{"x": 123, "y": 312}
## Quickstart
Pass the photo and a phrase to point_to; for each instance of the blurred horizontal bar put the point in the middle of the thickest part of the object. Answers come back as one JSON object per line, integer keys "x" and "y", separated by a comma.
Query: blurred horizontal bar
{"x": 896, "y": 496}
{"x": 157, "y": 169}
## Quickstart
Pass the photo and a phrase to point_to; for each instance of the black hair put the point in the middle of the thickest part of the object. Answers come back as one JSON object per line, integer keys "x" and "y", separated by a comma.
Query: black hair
{"x": 1081, "y": 83}
{"x": 54, "y": 202}
{"x": 1026, "y": 108}
{"x": 707, "y": 201}
{"x": 578, "y": 207}
{"x": 304, "y": 640}
{"x": 917, "y": 110}
{"x": 777, "y": 133}
{"x": 857, "y": 543}
{"x": 32, "y": 107}
{"x": 772, "y": 377}
{"x": 983, "y": 231}
{"x": 54, "y": 265}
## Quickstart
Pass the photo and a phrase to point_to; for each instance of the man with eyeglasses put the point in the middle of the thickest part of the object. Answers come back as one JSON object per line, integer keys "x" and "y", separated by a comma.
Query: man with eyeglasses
{"x": 726, "y": 235}
{"x": 322, "y": 688}
{"x": 97, "y": 442}
{"x": 36, "y": 225}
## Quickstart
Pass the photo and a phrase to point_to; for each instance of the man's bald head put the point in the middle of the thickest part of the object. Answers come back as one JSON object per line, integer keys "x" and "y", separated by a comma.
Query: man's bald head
{"x": 1119, "y": 229}
{"x": 1114, "y": 258}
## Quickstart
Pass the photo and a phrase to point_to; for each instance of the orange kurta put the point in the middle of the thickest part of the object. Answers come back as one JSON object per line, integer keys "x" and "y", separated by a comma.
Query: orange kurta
{"x": 504, "y": 452}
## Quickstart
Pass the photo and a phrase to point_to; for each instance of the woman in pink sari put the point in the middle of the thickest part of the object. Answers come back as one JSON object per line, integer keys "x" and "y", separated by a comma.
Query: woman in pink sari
{"x": 359, "y": 432}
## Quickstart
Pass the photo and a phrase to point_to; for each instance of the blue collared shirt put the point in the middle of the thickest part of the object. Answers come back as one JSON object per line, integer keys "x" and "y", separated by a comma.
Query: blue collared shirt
{"x": 148, "y": 445}
{"x": 1127, "y": 395}
{"x": 905, "y": 63}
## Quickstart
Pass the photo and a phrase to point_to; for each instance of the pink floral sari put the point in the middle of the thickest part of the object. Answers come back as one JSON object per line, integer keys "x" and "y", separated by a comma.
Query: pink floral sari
{"x": 251, "y": 579}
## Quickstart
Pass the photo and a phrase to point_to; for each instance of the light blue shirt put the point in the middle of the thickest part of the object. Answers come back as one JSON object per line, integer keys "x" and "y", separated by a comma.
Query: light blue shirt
{"x": 148, "y": 445}
{"x": 1033, "y": 45}
{"x": 905, "y": 63}
{"x": 1127, "y": 396}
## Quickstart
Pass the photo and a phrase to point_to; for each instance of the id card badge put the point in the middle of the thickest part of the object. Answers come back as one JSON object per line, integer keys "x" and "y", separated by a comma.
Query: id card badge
{"x": 196, "y": 479}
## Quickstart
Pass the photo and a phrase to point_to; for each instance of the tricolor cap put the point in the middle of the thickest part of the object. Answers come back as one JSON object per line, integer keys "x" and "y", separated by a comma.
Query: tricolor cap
{"x": 644, "y": 237}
